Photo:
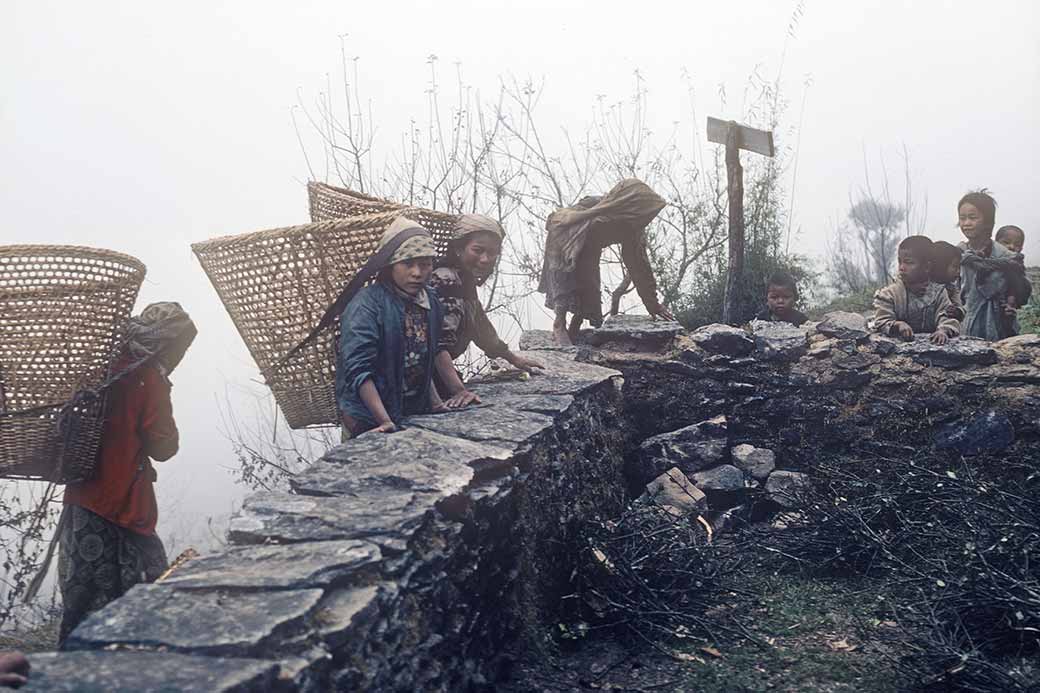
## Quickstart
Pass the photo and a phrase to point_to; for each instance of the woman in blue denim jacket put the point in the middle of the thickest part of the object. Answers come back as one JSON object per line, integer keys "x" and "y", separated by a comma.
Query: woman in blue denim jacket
{"x": 390, "y": 332}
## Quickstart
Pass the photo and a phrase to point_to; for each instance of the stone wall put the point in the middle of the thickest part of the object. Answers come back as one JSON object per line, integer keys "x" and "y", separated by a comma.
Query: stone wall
{"x": 404, "y": 562}
{"x": 415, "y": 561}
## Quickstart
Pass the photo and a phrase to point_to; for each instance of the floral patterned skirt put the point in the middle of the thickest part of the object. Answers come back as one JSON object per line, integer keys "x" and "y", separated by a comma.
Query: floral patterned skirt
{"x": 98, "y": 561}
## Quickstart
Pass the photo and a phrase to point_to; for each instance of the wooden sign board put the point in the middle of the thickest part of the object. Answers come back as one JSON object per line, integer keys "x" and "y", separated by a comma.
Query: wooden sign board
{"x": 758, "y": 141}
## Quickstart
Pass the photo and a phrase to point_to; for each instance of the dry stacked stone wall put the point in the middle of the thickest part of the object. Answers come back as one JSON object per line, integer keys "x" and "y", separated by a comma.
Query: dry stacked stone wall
{"x": 420, "y": 560}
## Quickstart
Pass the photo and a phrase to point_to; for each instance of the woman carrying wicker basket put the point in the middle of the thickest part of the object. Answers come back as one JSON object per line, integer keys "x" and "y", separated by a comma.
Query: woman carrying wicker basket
{"x": 107, "y": 531}
{"x": 390, "y": 333}
{"x": 472, "y": 255}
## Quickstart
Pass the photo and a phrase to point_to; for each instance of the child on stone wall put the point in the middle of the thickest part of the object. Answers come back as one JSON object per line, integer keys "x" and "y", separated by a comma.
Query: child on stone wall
{"x": 1013, "y": 238}
{"x": 946, "y": 270}
{"x": 391, "y": 336}
{"x": 781, "y": 297}
{"x": 993, "y": 281}
{"x": 914, "y": 303}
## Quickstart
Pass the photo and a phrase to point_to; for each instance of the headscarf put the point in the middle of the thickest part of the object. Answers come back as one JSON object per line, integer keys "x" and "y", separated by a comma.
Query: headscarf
{"x": 469, "y": 224}
{"x": 403, "y": 240}
{"x": 161, "y": 328}
{"x": 411, "y": 248}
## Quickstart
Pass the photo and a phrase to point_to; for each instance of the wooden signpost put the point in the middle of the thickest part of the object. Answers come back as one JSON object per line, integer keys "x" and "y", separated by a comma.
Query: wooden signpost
{"x": 736, "y": 137}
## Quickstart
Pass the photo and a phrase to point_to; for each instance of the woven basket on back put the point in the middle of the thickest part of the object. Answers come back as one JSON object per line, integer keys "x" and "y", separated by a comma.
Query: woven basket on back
{"x": 62, "y": 314}
{"x": 277, "y": 284}
{"x": 328, "y": 202}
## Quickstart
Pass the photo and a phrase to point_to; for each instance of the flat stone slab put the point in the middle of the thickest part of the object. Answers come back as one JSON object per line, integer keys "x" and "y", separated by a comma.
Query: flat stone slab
{"x": 690, "y": 449}
{"x": 641, "y": 329}
{"x": 414, "y": 459}
{"x": 844, "y": 325}
{"x": 493, "y": 421}
{"x": 1021, "y": 341}
{"x": 675, "y": 493}
{"x": 723, "y": 339}
{"x": 219, "y": 622}
{"x": 961, "y": 351}
{"x": 287, "y": 566}
{"x": 757, "y": 463}
{"x": 779, "y": 341}
{"x": 387, "y": 518}
{"x": 562, "y": 376}
{"x": 725, "y": 477}
{"x": 146, "y": 672}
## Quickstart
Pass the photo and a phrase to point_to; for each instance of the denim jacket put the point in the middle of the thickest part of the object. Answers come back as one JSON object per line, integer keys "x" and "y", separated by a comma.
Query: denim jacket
{"x": 371, "y": 345}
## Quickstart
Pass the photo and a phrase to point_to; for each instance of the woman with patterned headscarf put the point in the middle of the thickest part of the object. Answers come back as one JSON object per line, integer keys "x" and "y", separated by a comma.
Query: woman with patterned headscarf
{"x": 472, "y": 255}
{"x": 390, "y": 333}
{"x": 107, "y": 531}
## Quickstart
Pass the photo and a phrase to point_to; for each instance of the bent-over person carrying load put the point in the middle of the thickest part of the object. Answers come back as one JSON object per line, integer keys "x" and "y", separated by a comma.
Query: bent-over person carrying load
{"x": 577, "y": 235}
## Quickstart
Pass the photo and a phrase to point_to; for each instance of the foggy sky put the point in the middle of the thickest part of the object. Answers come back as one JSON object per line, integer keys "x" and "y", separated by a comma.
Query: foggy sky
{"x": 143, "y": 127}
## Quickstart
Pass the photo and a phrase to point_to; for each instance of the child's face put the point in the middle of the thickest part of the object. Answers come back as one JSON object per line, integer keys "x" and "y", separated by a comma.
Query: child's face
{"x": 411, "y": 276}
{"x": 1013, "y": 240}
{"x": 972, "y": 222}
{"x": 480, "y": 254}
{"x": 953, "y": 270}
{"x": 780, "y": 300}
{"x": 912, "y": 269}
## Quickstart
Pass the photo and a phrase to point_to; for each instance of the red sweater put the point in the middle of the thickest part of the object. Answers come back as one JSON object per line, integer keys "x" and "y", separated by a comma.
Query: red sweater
{"x": 139, "y": 426}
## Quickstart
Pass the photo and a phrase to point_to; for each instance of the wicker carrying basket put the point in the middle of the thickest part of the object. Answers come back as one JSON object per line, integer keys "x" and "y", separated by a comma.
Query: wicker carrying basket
{"x": 277, "y": 284}
{"x": 62, "y": 314}
{"x": 327, "y": 202}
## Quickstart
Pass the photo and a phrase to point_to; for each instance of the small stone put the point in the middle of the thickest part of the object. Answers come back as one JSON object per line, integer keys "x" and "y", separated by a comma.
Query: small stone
{"x": 725, "y": 477}
{"x": 988, "y": 432}
{"x": 757, "y": 463}
{"x": 779, "y": 341}
{"x": 691, "y": 448}
{"x": 844, "y": 325}
{"x": 960, "y": 351}
{"x": 673, "y": 491}
{"x": 784, "y": 487}
{"x": 723, "y": 339}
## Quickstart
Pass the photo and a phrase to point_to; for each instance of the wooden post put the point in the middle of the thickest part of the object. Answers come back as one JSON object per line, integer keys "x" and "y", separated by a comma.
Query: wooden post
{"x": 736, "y": 137}
{"x": 732, "y": 307}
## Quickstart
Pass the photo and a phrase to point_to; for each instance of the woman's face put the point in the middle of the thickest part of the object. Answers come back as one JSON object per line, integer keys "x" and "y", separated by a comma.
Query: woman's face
{"x": 972, "y": 222}
{"x": 411, "y": 276}
{"x": 479, "y": 254}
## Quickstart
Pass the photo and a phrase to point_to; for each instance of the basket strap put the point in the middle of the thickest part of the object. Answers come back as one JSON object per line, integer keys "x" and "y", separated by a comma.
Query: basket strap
{"x": 375, "y": 263}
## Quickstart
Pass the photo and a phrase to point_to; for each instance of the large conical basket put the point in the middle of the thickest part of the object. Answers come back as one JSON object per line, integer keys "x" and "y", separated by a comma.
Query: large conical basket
{"x": 63, "y": 310}
{"x": 327, "y": 202}
{"x": 276, "y": 286}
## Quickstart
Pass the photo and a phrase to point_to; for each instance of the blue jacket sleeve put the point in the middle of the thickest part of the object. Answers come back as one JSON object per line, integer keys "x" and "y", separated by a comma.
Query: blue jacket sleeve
{"x": 359, "y": 341}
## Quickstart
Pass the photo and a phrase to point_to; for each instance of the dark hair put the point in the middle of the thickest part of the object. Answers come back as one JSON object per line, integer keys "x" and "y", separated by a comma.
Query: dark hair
{"x": 1003, "y": 231}
{"x": 918, "y": 246}
{"x": 983, "y": 201}
{"x": 943, "y": 254}
{"x": 784, "y": 280}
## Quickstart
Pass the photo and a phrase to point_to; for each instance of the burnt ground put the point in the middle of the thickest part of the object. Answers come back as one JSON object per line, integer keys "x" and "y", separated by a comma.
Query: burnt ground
{"x": 814, "y": 635}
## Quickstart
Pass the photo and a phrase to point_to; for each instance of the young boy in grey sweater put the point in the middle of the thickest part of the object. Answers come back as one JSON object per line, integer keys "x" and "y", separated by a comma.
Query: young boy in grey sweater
{"x": 914, "y": 304}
